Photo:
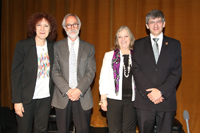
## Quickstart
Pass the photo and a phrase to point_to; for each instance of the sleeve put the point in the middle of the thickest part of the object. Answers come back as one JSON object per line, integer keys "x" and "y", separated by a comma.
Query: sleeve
{"x": 57, "y": 75}
{"x": 104, "y": 75}
{"x": 141, "y": 81}
{"x": 172, "y": 80}
{"x": 86, "y": 81}
{"x": 16, "y": 73}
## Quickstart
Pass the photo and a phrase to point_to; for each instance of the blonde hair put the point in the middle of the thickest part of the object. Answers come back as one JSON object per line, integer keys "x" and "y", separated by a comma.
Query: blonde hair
{"x": 131, "y": 36}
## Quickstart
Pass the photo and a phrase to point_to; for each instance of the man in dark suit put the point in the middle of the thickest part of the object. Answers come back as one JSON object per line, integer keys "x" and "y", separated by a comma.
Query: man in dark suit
{"x": 157, "y": 71}
{"x": 73, "y": 72}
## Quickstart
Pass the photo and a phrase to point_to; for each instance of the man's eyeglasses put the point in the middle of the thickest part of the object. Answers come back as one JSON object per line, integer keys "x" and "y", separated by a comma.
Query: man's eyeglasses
{"x": 157, "y": 22}
{"x": 69, "y": 26}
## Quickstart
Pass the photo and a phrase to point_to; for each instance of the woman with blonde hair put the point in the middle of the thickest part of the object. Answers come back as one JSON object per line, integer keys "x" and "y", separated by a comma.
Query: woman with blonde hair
{"x": 116, "y": 84}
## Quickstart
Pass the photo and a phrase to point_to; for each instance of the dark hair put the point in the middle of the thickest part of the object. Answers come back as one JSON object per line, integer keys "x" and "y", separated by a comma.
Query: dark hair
{"x": 130, "y": 34}
{"x": 35, "y": 18}
{"x": 155, "y": 14}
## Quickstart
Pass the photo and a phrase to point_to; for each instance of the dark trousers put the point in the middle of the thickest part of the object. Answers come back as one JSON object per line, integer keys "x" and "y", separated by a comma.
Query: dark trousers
{"x": 121, "y": 116}
{"x": 148, "y": 118}
{"x": 36, "y": 111}
{"x": 73, "y": 111}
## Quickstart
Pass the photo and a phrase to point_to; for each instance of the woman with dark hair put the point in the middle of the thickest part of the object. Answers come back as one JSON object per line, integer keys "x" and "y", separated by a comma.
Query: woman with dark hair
{"x": 31, "y": 78}
{"x": 116, "y": 84}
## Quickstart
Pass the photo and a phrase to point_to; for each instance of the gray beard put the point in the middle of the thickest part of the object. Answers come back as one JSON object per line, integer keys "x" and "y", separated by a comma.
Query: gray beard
{"x": 74, "y": 36}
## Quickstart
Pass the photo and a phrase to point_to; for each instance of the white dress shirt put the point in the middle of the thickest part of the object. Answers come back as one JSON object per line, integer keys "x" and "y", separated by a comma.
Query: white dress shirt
{"x": 76, "y": 46}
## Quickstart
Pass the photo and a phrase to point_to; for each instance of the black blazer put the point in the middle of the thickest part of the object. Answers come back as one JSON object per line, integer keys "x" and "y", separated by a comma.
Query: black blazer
{"x": 164, "y": 75}
{"x": 24, "y": 70}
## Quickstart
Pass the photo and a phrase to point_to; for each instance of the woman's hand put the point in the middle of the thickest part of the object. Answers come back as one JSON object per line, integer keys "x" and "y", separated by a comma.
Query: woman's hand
{"x": 104, "y": 105}
{"x": 104, "y": 102}
{"x": 19, "y": 109}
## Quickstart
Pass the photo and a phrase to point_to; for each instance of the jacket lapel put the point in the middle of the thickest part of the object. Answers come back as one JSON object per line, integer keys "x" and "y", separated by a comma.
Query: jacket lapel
{"x": 149, "y": 50}
{"x": 50, "y": 52}
{"x": 163, "y": 50}
{"x": 66, "y": 53}
{"x": 34, "y": 49}
{"x": 80, "y": 52}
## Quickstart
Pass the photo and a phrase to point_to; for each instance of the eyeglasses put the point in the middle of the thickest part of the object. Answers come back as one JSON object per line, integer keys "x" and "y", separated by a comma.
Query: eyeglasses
{"x": 157, "y": 22}
{"x": 69, "y": 26}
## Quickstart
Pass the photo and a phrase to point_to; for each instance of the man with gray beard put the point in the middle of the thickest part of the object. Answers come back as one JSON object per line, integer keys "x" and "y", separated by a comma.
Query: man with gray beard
{"x": 73, "y": 72}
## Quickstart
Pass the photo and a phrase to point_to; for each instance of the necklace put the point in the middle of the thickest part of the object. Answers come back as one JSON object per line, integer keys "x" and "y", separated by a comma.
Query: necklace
{"x": 129, "y": 64}
{"x": 43, "y": 47}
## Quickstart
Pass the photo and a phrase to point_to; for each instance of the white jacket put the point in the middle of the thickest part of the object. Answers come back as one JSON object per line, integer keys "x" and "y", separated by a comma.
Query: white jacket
{"x": 106, "y": 81}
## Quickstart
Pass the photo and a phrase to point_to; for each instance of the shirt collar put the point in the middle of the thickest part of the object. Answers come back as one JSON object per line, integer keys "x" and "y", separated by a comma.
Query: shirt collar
{"x": 159, "y": 41}
{"x": 160, "y": 36}
{"x": 75, "y": 42}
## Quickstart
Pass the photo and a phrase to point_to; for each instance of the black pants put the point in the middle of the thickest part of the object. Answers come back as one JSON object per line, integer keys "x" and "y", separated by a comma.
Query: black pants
{"x": 73, "y": 111}
{"x": 121, "y": 116}
{"x": 148, "y": 118}
{"x": 37, "y": 110}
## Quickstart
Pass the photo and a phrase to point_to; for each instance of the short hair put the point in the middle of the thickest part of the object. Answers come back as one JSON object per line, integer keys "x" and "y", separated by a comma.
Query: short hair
{"x": 155, "y": 14}
{"x": 35, "y": 18}
{"x": 64, "y": 20}
{"x": 131, "y": 36}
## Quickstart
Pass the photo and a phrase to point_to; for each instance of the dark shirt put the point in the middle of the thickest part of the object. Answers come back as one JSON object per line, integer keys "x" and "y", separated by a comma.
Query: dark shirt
{"x": 127, "y": 81}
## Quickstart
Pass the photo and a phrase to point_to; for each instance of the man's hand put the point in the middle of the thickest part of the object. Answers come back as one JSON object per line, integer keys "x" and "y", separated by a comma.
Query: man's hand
{"x": 159, "y": 100}
{"x": 19, "y": 109}
{"x": 74, "y": 94}
{"x": 155, "y": 95}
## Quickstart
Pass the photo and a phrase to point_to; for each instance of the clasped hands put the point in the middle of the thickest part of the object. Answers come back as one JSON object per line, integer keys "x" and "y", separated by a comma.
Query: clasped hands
{"x": 74, "y": 94}
{"x": 155, "y": 95}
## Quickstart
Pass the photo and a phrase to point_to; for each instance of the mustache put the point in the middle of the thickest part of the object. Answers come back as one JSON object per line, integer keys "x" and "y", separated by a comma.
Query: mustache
{"x": 73, "y": 31}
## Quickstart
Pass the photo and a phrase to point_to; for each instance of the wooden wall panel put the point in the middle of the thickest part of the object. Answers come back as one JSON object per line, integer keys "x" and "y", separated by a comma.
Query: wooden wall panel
{"x": 100, "y": 21}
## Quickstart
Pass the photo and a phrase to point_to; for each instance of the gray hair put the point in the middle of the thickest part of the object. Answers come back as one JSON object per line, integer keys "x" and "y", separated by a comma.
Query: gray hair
{"x": 131, "y": 36}
{"x": 64, "y": 20}
{"x": 155, "y": 14}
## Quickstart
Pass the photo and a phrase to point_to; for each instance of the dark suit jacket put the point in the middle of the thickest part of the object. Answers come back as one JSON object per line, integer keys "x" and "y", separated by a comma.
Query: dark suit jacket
{"x": 86, "y": 67}
{"x": 164, "y": 75}
{"x": 24, "y": 70}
